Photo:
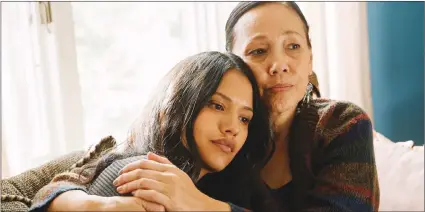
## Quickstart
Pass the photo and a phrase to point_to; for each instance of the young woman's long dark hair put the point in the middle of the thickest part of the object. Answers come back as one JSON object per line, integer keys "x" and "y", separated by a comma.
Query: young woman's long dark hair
{"x": 170, "y": 116}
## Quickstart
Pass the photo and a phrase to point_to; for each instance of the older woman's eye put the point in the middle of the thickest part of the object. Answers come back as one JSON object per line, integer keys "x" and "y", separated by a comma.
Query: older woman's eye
{"x": 257, "y": 52}
{"x": 294, "y": 46}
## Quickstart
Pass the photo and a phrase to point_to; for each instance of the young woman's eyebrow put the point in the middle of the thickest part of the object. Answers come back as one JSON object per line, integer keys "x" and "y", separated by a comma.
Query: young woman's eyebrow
{"x": 230, "y": 100}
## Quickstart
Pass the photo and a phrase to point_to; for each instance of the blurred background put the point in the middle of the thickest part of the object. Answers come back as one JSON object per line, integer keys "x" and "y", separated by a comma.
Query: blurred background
{"x": 74, "y": 72}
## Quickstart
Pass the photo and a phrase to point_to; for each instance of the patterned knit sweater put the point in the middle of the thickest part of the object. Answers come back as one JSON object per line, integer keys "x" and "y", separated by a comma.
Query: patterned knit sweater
{"x": 332, "y": 162}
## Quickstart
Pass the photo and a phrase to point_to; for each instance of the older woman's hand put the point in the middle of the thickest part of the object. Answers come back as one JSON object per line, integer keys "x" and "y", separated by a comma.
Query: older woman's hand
{"x": 158, "y": 180}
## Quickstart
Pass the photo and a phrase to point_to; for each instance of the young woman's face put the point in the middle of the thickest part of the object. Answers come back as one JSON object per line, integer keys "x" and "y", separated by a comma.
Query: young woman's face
{"x": 221, "y": 128}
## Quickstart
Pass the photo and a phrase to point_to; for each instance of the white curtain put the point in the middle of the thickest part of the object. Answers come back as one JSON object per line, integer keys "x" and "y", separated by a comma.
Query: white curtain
{"x": 22, "y": 89}
{"x": 340, "y": 50}
{"x": 88, "y": 73}
{"x": 33, "y": 112}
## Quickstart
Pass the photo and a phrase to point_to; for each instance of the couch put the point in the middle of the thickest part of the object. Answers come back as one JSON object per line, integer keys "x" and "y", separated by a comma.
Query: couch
{"x": 400, "y": 170}
{"x": 18, "y": 190}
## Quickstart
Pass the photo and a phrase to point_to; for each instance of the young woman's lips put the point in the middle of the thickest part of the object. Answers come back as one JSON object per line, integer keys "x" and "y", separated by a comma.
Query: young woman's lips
{"x": 281, "y": 87}
{"x": 226, "y": 145}
{"x": 224, "y": 148}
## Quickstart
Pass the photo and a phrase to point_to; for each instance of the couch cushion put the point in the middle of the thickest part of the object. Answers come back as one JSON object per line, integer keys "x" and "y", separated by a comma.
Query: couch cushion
{"x": 26, "y": 185}
{"x": 8, "y": 188}
{"x": 29, "y": 182}
{"x": 401, "y": 175}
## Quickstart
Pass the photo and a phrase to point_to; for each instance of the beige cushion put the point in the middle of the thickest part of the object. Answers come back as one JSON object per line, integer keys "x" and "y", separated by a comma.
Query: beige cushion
{"x": 28, "y": 183}
{"x": 401, "y": 175}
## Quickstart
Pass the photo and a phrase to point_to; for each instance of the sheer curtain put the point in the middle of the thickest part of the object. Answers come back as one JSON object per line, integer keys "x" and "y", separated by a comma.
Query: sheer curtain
{"x": 24, "y": 118}
{"x": 123, "y": 53}
{"x": 89, "y": 72}
{"x": 35, "y": 127}
{"x": 340, "y": 50}
{"x": 23, "y": 95}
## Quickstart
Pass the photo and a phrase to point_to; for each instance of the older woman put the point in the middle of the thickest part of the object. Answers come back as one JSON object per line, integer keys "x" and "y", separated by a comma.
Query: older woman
{"x": 323, "y": 158}
{"x": 324, "y": 148}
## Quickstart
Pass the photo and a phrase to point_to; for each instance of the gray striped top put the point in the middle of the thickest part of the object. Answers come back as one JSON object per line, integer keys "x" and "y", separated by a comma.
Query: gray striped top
{"x": 102, "y": 185}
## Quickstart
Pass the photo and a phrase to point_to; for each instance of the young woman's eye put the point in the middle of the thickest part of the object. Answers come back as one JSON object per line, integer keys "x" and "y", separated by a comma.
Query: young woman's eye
{"x": 216, "y": 106}
{"x": 294, "y": 46}
{"x": 245, "y": 120}
{"x": 257, "y": 52}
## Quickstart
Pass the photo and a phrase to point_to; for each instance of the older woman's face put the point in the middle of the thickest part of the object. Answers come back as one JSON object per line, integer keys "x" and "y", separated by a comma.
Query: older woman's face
{"x": 271, "y": 39}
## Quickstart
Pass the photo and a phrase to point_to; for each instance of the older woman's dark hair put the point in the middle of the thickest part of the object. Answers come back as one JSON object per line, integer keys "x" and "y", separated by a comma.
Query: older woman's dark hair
{"x": 246, "y": 6}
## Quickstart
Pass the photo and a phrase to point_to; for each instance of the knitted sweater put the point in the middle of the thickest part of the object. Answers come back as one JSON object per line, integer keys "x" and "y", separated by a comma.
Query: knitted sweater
{"x": 332, "y": 162}
{"x": 332, "y": 158}
{"x": 103, "y": 184}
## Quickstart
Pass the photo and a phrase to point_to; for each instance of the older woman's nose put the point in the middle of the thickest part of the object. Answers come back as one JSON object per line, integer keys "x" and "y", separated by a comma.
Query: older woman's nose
{"x": 279, "y": 65}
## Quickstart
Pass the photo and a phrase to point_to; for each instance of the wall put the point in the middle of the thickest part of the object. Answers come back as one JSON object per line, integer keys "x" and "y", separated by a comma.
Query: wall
{"x": 396, "y": 49}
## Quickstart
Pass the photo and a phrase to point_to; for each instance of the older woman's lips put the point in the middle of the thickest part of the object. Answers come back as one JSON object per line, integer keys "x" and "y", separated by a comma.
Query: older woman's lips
{"x": 281, "y": 87}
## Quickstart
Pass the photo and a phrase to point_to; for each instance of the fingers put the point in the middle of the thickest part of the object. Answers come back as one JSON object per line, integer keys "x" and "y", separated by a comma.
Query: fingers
{"x": 152, "y": 196}
{"x": 137, "y": 174}
{"x": 143, "y": 183}
{"x": 146, "y": 164}
{"x": 159, "y": 159}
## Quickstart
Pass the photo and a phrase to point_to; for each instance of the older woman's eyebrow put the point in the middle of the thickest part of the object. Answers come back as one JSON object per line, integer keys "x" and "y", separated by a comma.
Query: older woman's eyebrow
{"x": 290, "y": 32}
{"x": 230, "y": 100}
{"x": 260, "y": 36}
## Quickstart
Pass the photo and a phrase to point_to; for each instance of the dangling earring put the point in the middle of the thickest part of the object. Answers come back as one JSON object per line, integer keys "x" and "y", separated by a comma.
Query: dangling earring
{"x": 306, "y": 99}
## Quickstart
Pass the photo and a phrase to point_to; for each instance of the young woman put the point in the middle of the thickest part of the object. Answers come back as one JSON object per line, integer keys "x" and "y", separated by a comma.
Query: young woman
{"x": 206, "y": 114}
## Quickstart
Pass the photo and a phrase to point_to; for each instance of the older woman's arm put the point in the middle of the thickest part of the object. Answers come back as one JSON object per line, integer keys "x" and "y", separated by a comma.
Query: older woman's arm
{"x": 346, "y": 179}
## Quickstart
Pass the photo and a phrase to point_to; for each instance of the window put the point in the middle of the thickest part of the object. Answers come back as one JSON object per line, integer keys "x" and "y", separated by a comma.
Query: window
{"x": 124, "y": 48}
{"x": 89, "y": 72}
{"x": 28, "y": 87}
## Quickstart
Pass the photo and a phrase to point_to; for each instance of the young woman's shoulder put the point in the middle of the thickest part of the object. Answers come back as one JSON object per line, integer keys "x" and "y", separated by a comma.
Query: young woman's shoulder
{"x": 103, "y": 184}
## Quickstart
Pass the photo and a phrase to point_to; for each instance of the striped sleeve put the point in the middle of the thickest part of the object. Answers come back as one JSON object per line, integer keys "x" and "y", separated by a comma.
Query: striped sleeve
{"x": 347, "y": 178}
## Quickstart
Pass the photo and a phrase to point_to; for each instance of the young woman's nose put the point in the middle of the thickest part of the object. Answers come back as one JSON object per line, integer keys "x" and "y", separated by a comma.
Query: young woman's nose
{"x": 230, "y": 125}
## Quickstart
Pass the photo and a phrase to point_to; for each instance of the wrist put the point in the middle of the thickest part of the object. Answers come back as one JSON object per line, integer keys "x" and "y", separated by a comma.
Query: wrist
{"x": 215, "y": 205}
{"x": 75, "y": 200}
{"x": 93, "y": 202}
